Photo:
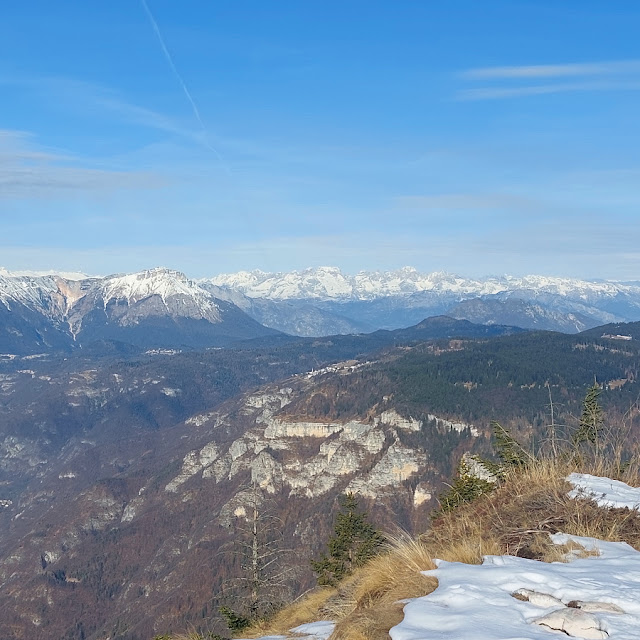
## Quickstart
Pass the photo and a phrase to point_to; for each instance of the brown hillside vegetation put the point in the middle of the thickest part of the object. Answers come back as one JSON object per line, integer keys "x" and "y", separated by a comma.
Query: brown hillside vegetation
{"x": 515, "y": 519}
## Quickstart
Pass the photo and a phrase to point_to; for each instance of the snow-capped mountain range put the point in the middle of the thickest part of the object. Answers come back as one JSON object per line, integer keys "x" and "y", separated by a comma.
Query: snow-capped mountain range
{"x": 329, "y": 283}
{"x": 163, "y": 307}
{"x": 399, "y": 298}
{"x": 153, "y": 308}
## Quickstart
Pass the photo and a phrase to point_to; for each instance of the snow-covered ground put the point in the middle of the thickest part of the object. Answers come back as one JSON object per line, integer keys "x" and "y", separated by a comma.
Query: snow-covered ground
{"x": 606, "y": 492}
{"x": 477, "y": 601}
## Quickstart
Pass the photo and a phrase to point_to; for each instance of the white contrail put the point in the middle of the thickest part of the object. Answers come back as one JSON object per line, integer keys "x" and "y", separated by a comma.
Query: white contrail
{"x": 176, "y": 73}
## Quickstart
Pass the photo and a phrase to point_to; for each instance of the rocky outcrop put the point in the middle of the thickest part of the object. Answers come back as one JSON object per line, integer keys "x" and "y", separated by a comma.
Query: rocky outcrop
{"x": 366, "y": 457}
{"x": 393, "y": 418}
{"x": 574, "y": 623}
{"x": 398, "y": 464}
{"x": 194, "y": 462}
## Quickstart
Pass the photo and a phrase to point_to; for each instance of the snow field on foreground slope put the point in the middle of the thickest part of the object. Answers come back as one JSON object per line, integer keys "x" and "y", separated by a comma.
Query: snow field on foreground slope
{"x": 606, "y": 492}
{"x": 479, "y": 601}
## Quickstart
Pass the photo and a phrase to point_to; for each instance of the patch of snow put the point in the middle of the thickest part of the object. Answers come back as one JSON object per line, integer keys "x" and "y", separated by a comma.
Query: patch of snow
{"x": 484, "y": 602}
{"x": 606, "y": 492}
{"x": 320, "y": 630}
{"x": 315, "y": 630}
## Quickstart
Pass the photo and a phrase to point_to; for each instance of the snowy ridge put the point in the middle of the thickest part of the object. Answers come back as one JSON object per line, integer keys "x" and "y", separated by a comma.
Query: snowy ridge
{"x": 67, "y": 275}
{"x": 68, "y": 301}
{"x": 311, "y": 302}
{"x": 327, "y": 283}
{"x": 33, "y": 292}
{"x": 159, "y": 282}
{"x": 330, "y": 283}
{"x": 322, "y": 283}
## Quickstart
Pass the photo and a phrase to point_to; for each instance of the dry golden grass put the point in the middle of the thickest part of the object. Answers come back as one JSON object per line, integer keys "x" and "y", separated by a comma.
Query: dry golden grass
{"x": 377, "y": 588}
{"x": 311, "y": 606}
{"x": 530, "y": 504}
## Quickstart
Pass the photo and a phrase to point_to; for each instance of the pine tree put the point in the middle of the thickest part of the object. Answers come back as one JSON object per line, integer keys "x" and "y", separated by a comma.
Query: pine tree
{"x": 591, "y": 420}
{"x": 466, "y": 487}
{"x": 508, "y": 449}
{"x": 354, "y": 541}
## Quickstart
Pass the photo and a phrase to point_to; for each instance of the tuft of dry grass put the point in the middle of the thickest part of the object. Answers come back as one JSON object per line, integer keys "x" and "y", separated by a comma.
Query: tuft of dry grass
{"x": 314, "y": 605}
{"x": 530, "y": 504}
{"x": 378, "y": 587}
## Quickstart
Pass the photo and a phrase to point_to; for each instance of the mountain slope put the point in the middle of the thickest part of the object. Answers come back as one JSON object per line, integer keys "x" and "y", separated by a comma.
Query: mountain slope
{"x": 521, "y": 313}
{"x": 157, "y": 308}
{"x": 298, "y": 318}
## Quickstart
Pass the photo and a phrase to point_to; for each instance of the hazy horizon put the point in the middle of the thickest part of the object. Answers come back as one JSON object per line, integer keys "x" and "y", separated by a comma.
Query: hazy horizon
{"x": 71, "y": 275}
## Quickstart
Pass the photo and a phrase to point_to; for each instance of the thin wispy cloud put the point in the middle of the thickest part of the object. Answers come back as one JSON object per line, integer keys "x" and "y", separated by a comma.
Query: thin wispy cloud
{"x": 621, "y": 75}
{"x": 77, "y": 95}
{"x": 494, "y": 93}
{"x": 462, "y": 201}
{"x": 620, "y": 67}
{"x": 178, "y": 76}
{"x": 27, "y": 171}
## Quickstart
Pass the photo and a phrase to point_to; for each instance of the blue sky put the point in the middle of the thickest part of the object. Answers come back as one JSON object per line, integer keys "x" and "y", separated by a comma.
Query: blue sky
{"x": 475, "y": 137}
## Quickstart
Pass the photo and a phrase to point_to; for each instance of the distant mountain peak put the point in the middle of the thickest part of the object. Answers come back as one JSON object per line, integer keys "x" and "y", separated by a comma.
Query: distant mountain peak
{"x": 160, "y": 281}
{"x": 154, "y": 307}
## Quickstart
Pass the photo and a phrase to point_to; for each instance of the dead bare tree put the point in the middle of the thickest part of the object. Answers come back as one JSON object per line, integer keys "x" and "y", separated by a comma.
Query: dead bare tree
{"x": 267, "y": 568}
